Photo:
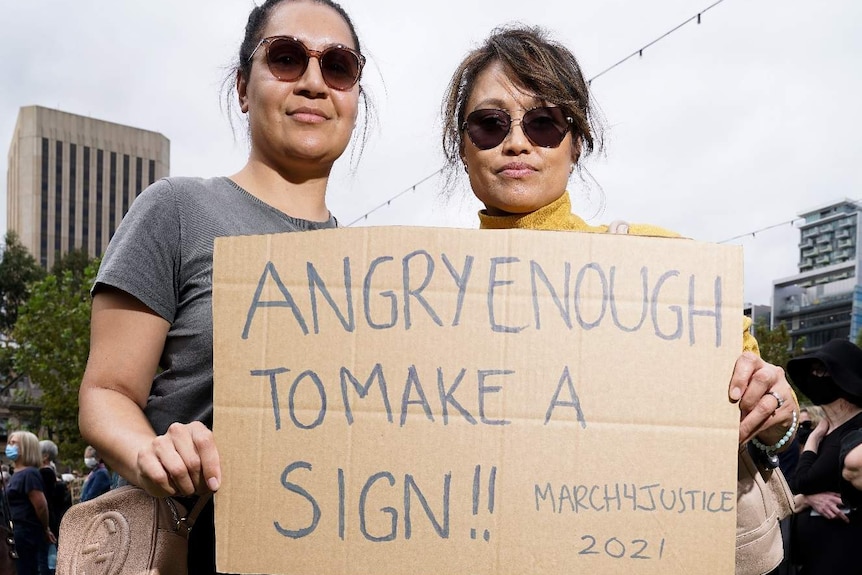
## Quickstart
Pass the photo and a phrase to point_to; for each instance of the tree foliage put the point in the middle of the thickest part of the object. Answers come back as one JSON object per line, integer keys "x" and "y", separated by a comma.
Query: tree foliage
{"x": 18, "y": 269}
{"x": 53, "y": 339}
{"x": 75, "y": 261}
{"x": 775, "y": 346}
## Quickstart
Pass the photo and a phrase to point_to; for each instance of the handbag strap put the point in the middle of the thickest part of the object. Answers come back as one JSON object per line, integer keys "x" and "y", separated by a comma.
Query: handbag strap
{"x": 5, "y": 510}
{"x": 186, "y": 523}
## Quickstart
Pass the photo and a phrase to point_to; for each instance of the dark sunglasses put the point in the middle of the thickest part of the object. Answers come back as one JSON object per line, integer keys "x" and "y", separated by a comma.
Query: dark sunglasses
{"x": 545, "y": 126}
{"x": 287, "y": 59}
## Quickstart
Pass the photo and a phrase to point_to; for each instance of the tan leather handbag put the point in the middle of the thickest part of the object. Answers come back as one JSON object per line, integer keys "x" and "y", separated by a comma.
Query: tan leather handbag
{"x": 763, "y": 498}
{"x": 126, "y": 531}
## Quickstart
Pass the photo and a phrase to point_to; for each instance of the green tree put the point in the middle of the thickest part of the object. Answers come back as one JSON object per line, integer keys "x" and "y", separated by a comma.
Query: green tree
{"x": 75, "y": 261}
{"x": 18, "y": 270}
{"x": 53, "y": 340}
{"x": 775, "y": 347}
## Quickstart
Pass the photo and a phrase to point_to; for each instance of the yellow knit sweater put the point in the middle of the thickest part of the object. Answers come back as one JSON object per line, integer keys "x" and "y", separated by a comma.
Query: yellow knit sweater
{"x": 558, "y": 216}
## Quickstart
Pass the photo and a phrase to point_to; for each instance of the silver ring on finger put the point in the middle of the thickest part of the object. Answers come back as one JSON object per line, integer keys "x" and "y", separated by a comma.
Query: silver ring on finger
{"x": 777, "y": 398}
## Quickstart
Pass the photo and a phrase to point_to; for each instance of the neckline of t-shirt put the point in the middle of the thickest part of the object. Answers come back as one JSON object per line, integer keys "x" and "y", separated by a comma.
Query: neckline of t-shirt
{"x": 299, "y": 222}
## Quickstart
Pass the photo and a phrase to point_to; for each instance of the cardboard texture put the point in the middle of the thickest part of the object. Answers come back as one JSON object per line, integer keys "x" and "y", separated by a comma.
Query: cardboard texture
{"x": 417, "y": 400}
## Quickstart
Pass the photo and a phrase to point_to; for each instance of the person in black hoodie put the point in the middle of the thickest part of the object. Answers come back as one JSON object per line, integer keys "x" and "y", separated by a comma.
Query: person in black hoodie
{"x": 828, "y": 527}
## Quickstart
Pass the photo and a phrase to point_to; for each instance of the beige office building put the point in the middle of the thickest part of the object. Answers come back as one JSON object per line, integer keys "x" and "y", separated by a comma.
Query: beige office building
{"x": 71, "y": 179}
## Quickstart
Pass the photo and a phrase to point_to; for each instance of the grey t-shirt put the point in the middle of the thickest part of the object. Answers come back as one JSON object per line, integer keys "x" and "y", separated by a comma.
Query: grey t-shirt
{"x": 162, "y": 254}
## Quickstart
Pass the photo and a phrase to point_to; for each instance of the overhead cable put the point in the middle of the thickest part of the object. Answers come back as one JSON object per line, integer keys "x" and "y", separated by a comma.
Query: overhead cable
{"x": 754, "y": 233}
{"x": 640, "y": 51}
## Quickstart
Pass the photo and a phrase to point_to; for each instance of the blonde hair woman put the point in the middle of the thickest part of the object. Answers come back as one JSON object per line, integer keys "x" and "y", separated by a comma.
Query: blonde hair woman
{"x": 27, "y": 502}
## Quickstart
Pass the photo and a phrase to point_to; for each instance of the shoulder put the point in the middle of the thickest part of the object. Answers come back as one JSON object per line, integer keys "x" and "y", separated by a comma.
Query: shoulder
{"x": 194, "y": 196}
{"x": 852, "y": 429}
{"x": 47, "y": 474}
{"x": 177, "y": 187}
{"x": 31, "y": 478}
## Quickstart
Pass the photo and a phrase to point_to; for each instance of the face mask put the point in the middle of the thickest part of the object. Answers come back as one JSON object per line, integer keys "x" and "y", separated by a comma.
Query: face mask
{"x": 12, "y": 452}
{"x": 90, "y": 462}
{"x": 823, "y": 391}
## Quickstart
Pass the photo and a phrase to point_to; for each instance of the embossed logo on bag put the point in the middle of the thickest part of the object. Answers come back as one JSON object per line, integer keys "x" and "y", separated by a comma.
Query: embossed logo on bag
{"x": 104, "y": 547}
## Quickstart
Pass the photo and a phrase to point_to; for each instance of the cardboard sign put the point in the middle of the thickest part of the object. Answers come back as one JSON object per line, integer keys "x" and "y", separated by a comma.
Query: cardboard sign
{"x": 416, "y": 400}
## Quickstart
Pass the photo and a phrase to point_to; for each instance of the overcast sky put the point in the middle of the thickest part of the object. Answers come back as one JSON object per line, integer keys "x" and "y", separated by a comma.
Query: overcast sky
{"x": 720, "y": 129}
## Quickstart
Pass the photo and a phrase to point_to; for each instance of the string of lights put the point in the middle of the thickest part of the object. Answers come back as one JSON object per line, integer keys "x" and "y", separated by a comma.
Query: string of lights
{"x": 790, "y": 222}
{"x": 754, "y": 233}
{"x": 638, "y": 52}
{"x": 395, "y": 197}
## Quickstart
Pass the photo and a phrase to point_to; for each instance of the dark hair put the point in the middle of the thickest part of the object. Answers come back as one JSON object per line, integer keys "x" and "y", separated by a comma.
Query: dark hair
{"x": 257, "y": 21}
{"x": 538, "y": 65}
{"x": 259, "y": 17}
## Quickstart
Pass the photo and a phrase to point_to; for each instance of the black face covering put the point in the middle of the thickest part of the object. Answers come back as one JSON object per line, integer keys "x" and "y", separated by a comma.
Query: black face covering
{"x": 822, "y": 390}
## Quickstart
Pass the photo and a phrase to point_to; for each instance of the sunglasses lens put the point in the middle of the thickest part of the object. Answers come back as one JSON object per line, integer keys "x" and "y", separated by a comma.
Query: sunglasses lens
{"x": 545, "y": 127}
{"x": 487, "y": 128}
{"x": 340, "y": 68}
{"x": 286, "y": 58}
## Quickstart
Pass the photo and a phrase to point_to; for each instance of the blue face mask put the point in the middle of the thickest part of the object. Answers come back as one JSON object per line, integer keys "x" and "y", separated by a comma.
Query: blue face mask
{"x": 12, "y": 452}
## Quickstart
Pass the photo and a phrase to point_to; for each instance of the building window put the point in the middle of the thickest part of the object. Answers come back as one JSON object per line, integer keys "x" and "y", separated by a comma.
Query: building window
{"x": 139, "y": 175}
{"x": 85, "y": 201}
{"x": 43, "y": 223}
{"x": 152, "y": 177}
{"x": 58, "y": 199}
{"x": 100, "y": 175}
{"x": 112, "y": 197}
{"x": 125, "y": 184}
{"x": 73, "y": 180}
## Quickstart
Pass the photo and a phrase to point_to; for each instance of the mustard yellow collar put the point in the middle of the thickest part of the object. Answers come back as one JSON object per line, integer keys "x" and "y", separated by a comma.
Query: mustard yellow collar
{"x": 555, "y": 216}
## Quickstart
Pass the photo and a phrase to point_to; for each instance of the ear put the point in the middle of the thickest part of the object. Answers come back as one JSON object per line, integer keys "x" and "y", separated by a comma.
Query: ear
{"x": 242, "y": 92}
{"x": 576, "y": 149}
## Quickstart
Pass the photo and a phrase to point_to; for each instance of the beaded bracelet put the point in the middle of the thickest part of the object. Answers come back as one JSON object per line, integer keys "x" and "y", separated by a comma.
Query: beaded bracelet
{"x": 771, "y": 449}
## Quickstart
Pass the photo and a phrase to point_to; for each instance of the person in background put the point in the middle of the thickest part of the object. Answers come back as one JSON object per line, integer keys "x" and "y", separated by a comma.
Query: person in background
{"x": 49, "y": 452}
{"x": 809, "y": 417}
{"x": 826, "y": 529}
{"x": 851, "y": 468}
{"x": 517, "y": 119}
{"x": 98, "y": 481}
{"x": 28, "y": 505}
{"x": 59, "y": 498}
{"x": 297, "y": 78}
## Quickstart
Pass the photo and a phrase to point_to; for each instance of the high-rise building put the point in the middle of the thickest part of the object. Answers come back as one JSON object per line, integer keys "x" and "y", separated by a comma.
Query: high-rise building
{"x": 758, "y": 314}
{"x": 71, "y": 179}
{"x": 824, "y": 300}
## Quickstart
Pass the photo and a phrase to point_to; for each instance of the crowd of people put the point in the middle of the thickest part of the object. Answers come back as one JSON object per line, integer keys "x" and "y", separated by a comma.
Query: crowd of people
{"x": 518, "y": 119}
{"x": 36, "y": 495}
{"x": 821, "y": 533}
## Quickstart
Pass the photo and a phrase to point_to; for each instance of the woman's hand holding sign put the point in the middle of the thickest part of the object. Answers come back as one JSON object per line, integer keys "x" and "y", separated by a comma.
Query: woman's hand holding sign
{"x": 767, "y": 404}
